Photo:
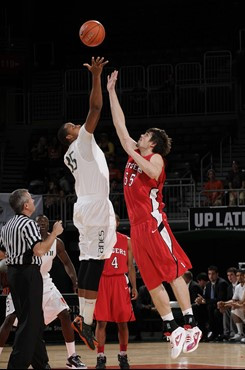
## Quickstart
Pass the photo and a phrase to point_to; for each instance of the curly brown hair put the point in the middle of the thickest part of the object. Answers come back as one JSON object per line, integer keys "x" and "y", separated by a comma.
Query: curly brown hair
{"x": 161, "y": 140}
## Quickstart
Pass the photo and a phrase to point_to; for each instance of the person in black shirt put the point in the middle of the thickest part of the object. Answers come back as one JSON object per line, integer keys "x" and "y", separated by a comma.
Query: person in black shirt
{"x": 21, "y": 241}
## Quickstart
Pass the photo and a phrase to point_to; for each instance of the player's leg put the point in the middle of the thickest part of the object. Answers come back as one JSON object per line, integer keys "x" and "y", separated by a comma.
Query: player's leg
{"x": 88, "y": 283}
{"x": 73, "y": 359}
{"x": 100, "y": 333}
{"x": 123, "y": 336}
{"x": 182, "y": 295}
{"x": 174, "y": 333}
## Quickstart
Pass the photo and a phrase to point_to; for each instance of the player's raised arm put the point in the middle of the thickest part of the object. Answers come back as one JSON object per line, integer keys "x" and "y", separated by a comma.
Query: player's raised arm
{"x": 118, "y": 115}
{"x": 96, "y": 99}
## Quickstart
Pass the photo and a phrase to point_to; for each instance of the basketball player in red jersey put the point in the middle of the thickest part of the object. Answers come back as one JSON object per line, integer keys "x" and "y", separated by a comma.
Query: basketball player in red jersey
{"x": 157, "y": 253}
{"x": 114, "y": 303}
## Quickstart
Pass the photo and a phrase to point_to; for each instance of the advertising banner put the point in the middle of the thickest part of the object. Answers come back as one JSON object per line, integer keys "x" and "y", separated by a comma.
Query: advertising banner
{"x": 229, "y": 218}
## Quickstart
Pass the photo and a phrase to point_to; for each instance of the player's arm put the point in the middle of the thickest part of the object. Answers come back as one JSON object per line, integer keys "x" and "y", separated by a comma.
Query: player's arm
{"x": 152, "y": 168}
{"x": 2, "y": 255}
{"x": 118, "y": 115}
{"x": 68, "y": 265}
{"x": 131, "y": 271}
{"x": 95, "y": 99}
{"x": 42, "y": 247}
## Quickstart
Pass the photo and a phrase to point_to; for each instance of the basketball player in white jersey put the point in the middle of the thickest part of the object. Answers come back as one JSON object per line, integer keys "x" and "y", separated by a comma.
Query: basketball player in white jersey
{"x": 54, "y": 304}
{"x": 93, "y": 216}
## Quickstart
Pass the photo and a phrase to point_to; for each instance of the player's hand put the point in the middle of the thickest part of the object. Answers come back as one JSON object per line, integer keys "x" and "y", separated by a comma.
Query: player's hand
{"x": 96, "y": 65}
{"x": 134, "y": 294}
{"x": 58, "y": 228}
{"x": 111, "y": 80}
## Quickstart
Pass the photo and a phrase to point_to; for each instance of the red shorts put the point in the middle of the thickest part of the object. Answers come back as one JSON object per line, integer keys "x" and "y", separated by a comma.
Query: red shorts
{"x": 157, "y": 253}
{"x": 113, "y": 301}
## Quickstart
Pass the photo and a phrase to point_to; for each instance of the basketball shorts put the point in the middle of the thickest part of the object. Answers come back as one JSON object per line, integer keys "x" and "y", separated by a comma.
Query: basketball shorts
{"x": 53, "y": 304}
{"x": 113, "y": 302}
{"x": 94, "y": 217}
{"x": 157, "y": 253}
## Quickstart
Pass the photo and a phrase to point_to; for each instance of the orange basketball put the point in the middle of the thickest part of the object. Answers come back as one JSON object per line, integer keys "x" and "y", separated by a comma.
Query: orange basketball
{"x": 92, "y": 33}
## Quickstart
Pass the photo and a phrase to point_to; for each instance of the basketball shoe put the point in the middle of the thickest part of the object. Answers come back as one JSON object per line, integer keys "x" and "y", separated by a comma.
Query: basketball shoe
{"x": 74, "y": 362}
{"x": 193, "y": 336}
{"x": 123, "y": 361}
{"x": 85, "y": 332}
{"x": 177, "y": 340}
{"x": 101, "y": 362}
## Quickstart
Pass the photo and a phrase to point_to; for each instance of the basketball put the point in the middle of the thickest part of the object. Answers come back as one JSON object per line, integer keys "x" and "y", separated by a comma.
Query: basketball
{"x": 92, "y": 33}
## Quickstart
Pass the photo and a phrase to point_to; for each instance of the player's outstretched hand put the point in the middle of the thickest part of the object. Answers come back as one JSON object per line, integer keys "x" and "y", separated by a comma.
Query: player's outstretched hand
{"x": 96, "y": 65}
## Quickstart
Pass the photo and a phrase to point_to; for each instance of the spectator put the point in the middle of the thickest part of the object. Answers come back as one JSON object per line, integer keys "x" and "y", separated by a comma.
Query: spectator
{"x": 237, "y": 311}
{"x": 196, "y": 290}
{"x": 236, "y": 181}
{"x": 213, "y": 190}
{"x": 202, "y": 279}
{"x": 106, "y": 146}
{"x": 216, "y": 290}
{"x": 228, "y": 323}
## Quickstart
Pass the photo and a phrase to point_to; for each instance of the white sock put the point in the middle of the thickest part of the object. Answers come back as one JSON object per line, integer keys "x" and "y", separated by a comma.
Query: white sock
{"x": 189, "y": 311}
{"x": 1, "y": 350}
{"x": 70, "y": 347}
{"x": 100, "y": 354}
{"x": 168, "y": 317}
{"x": 123, "y": 353}
{"x": 88, "y": 312}
{"x": 81, "y": 305}
{"x": 239, "y": 328}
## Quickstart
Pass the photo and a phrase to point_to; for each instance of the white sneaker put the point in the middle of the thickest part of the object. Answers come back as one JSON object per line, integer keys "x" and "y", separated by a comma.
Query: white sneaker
{"x": 236, "y": 338}
{"x": 243, "y": 340}
{"x": 192, "y": 340}
{"x": 177, "y": 340}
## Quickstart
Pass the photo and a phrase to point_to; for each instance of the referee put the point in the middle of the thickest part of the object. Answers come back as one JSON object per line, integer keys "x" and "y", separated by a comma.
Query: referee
{"x": 20, "y": 239}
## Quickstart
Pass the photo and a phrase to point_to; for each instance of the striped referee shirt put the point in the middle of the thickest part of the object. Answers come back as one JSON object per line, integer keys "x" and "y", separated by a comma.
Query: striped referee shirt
{"x": 18, "y": 237}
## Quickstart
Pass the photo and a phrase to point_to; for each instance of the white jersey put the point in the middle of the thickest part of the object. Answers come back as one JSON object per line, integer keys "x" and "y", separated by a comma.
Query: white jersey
{"x": 47, "y": 262}
{"x": 87, "y": 163}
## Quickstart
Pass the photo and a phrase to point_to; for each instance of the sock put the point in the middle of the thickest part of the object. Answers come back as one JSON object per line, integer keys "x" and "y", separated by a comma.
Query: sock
{"x": 168, "y": 317}
{"x": 123, "y": 353}
{"x": 1, "y": 349}
{"x": 70, "y": 347}
{"x": 88, "y": 312}
{"x": 189, "y": 311}
{"x": 100, "y": 354}
{"x": 100, "y": 350}
{"x": 189, "y": 321}
{"x": 239, "y": 328}
{"x": 123, "y": 348}
{"x": 81, "y": 305}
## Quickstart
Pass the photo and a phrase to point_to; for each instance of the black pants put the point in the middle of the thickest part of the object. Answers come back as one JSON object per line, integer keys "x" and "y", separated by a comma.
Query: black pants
{"x": 26, "y": 287}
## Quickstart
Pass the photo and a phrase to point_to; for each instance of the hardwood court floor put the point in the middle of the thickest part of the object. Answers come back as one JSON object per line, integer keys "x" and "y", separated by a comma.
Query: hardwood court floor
{"x": 152, "y": 355}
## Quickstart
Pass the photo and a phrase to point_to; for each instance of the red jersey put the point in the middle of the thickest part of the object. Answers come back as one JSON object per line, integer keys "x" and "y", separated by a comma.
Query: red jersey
{"x": 117, "y": 264}
{"x": 113, "y": 302}
{"x": 143, "y": 195}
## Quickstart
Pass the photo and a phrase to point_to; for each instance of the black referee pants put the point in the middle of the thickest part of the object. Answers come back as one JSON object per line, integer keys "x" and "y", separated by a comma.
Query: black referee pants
{"x": 26, "y": 287}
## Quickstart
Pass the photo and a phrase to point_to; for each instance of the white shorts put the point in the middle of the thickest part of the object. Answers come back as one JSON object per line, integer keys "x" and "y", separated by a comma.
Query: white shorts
{"x": 240, "y": 313}
{"x": 53, "y": 304}
{"x": 94, "y": 217}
